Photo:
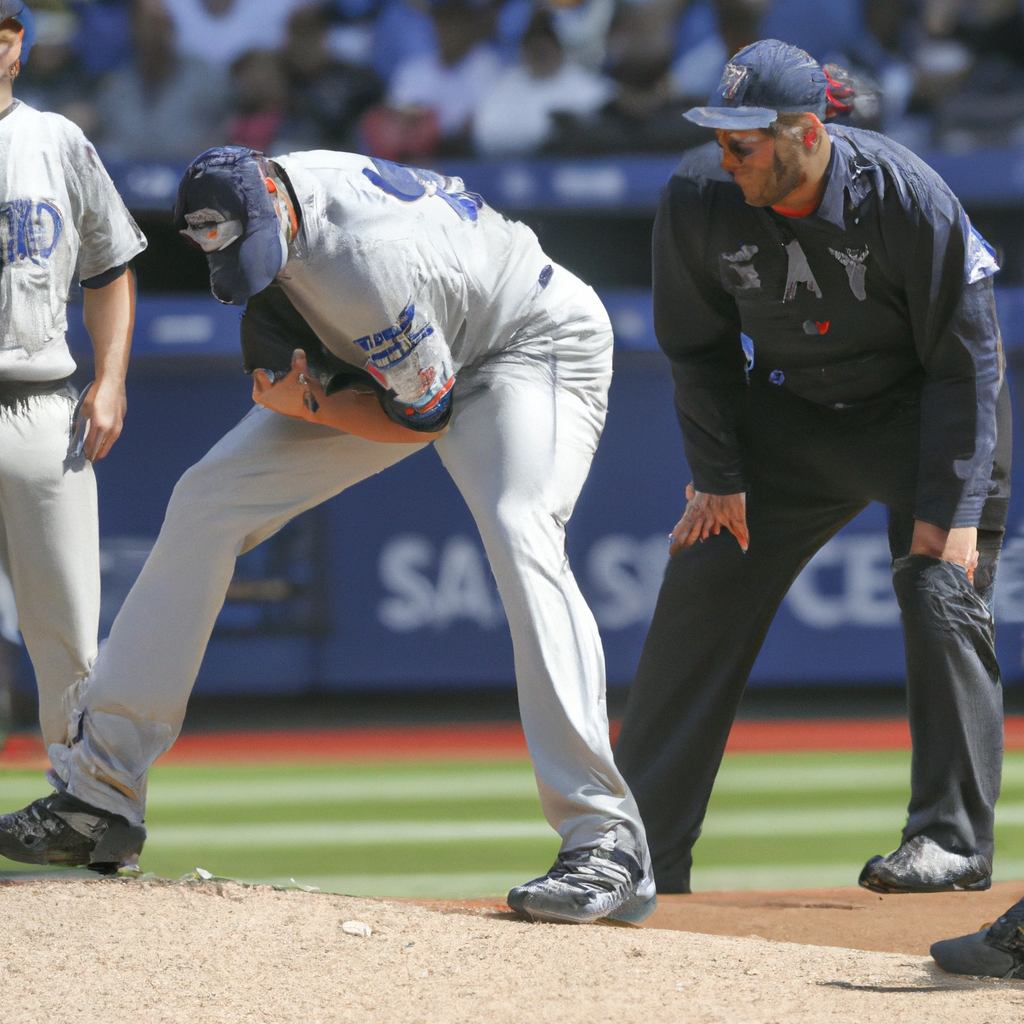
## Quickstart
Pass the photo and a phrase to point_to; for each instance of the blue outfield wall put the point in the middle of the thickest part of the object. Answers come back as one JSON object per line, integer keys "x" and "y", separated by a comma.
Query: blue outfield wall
{"x": 620, "y": 182}
{"x": 387, "y": 586}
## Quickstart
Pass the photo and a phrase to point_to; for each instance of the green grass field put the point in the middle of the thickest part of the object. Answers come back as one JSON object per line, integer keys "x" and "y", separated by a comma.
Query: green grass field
{"x": 458, "y": 829}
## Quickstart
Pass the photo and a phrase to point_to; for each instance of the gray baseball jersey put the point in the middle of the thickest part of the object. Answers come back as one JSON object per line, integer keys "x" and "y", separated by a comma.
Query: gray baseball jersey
{"x": 404, "y": 273}
{"x": 59, "y": 212}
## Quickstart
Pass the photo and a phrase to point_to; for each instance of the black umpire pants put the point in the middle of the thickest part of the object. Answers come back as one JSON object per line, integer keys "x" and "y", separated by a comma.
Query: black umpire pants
{"x": 810, "y": 470}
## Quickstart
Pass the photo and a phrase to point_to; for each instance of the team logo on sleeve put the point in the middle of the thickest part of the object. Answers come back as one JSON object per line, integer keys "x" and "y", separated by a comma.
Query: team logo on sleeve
{"x": 409, "y": 361}
{"x": 853, "y": 260}
{"x": 29, "y": 230}
{"x": 387, "y": 348}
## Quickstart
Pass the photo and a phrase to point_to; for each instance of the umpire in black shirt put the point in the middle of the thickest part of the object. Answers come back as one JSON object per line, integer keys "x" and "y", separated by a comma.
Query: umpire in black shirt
{"x": 828, "y": 312}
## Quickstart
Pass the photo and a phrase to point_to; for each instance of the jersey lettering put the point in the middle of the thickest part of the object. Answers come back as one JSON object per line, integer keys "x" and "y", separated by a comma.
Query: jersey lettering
{"x": 391, "y": 346}
{"x": 31, "y": 230}
{"x": 405, "y": 362}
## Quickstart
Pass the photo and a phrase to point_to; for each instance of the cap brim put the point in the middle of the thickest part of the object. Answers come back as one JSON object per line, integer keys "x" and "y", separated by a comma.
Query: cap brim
{"x": 734, "y": 119}
{"x": 248, "y": 266}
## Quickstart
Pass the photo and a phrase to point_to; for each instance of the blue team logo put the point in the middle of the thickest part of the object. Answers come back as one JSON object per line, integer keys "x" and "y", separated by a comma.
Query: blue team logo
{"x": 412, "y": 183}
{"x": 31, "y": 230}
{"x": 389, "y": 347}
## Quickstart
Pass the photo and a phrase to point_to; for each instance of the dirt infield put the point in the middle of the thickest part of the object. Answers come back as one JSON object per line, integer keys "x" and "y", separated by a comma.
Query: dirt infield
{"x": 850, "y": 917}
{"x": 221, "y": 953}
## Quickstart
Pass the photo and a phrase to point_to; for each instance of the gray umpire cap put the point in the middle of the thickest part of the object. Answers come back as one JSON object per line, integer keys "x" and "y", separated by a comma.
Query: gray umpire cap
{"x": 19, "y": 12}
{"x": 764, "y": 80}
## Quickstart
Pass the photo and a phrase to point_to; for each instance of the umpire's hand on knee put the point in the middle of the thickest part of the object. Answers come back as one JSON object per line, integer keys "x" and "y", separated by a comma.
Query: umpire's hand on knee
{"x": 706, "y": 514}
{"x": 959, "y": 545}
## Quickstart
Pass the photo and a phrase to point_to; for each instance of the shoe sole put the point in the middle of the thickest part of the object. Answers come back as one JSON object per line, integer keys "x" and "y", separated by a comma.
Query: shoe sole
{"x": 980, "y": 885}
{"x": 633, "y": 911}
{"x": 14, "y": 850}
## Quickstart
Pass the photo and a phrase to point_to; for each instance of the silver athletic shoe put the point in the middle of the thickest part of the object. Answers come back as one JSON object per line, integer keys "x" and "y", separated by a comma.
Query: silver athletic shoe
{"x": 61, "y": 829}
{"x": 997, "y": 952}
{"x": 921, "y": 865}
{"x": 585, "y": 885}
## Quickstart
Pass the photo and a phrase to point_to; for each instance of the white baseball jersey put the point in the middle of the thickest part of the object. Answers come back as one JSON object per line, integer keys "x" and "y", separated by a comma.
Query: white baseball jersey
{"x": 402, "y": 272}
{"x": 59, "y": 211}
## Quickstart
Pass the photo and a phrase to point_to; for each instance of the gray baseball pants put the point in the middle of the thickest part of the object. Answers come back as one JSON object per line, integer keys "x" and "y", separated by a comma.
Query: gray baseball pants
{"x": 49, "y": 548}
{"x": 519, "y": 447}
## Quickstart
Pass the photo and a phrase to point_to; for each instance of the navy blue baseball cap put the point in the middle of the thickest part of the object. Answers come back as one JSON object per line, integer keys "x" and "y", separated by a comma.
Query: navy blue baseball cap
{"x": 16, "y": 10}
{"x": 764, "y": 80}
{"x": 225, "y": 208}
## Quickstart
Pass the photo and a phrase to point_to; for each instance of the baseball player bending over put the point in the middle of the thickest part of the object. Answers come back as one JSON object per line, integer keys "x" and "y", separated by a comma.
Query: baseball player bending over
{"x": 417, "y": 315}
{"x": 59, "y": 212}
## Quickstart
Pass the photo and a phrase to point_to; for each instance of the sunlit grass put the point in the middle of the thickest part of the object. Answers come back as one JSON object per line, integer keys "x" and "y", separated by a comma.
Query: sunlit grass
{"x": 774, "y": 820}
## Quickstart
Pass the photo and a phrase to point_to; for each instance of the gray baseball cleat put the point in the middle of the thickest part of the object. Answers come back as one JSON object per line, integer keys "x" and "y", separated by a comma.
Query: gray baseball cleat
{"x": 585, "y": 885}
{"x": 996, "y": 952}
{"x": 921, "y": 865}
{"x": 61, "y": 829}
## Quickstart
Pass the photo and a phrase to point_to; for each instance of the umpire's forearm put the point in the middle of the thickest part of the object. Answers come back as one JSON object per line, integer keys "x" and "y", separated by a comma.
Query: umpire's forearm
{"x": 109, "y": 314}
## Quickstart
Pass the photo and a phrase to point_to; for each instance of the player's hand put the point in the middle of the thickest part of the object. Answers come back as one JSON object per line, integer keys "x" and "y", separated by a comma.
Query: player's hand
{"x": 297, "y": 394}
{"x": 706, "y": 514}
{"x": 101, "y": 417}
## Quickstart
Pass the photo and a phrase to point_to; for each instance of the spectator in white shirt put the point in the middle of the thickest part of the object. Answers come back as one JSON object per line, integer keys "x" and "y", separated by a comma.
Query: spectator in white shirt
{"x": 515, "y": 116}
{"x": 219, "y": 31}
{"x": 452, "y": 79}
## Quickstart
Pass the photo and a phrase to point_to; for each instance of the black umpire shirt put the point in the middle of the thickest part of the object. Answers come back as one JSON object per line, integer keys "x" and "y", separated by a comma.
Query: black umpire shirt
{"x": 885, "y": 287}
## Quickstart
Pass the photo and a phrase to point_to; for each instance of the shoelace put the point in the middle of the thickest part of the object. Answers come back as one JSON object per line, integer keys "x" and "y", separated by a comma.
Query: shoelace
{"x": 1008, "y": 931}
{"x": 590, "y": 868}
{"x": 34, "y": 819}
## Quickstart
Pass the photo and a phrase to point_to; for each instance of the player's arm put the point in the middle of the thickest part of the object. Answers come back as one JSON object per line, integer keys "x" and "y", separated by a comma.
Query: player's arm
{"x": 698, "y": 328}
{"x": 110, "y": 238}
{"x": 352, "y": 410}
{"x": 952, "y": 311}
{"x": 109, "y": 314}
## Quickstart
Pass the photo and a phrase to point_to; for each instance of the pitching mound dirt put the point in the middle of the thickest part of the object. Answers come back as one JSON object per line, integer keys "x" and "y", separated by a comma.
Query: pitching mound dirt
{"x": 213, "y": 952}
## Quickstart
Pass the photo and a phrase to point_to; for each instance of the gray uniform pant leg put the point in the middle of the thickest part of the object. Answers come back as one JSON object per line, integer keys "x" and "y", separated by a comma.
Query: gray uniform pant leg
{"x": 519, "y": 449}
{"x": 49, "y": 544}
{"x": 262, "y": 473}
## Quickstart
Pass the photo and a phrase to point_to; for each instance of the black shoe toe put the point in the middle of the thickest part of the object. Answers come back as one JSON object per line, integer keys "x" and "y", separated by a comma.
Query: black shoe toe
{"x": 970, "y": 954}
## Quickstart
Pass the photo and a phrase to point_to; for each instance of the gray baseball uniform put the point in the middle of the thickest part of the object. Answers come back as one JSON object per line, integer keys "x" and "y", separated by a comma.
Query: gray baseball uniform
{"x": 59, "y": 212}
{"x": 441, "y": 299}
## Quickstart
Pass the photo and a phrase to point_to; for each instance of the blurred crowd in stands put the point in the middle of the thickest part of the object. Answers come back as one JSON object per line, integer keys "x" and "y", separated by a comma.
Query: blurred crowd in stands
{"x": 413, "y": 80}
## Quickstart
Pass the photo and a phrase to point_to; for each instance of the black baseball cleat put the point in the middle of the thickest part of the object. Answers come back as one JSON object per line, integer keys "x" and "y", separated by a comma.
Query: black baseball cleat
{"x": 921, "y": 865}
{"x": 586, "y": 885}
{"x": 996, "y": 952}
{"x": 61, "y": 829}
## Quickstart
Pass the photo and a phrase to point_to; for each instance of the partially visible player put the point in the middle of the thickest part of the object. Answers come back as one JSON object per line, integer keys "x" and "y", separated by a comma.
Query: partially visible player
{"x": 993, "y": 952}
{"x": 441, "y": 321}
{"x": 59, "y": 213}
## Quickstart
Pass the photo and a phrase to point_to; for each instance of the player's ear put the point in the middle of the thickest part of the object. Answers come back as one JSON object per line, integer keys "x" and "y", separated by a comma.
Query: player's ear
{"x": 813, "y": 131}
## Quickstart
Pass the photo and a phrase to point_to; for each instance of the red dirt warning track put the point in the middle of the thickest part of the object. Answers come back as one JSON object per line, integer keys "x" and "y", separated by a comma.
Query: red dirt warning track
{"x": 488, "y": 740}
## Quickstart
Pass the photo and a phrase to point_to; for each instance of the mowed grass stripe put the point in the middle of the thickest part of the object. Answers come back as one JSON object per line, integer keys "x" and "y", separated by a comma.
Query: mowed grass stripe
{"x": 169, "y": 789}
{"x": 259, "y": 792}
{"x": 329, "y": 833}
{"x": 721, "y": 824}
{"x": 819, "y": 820}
